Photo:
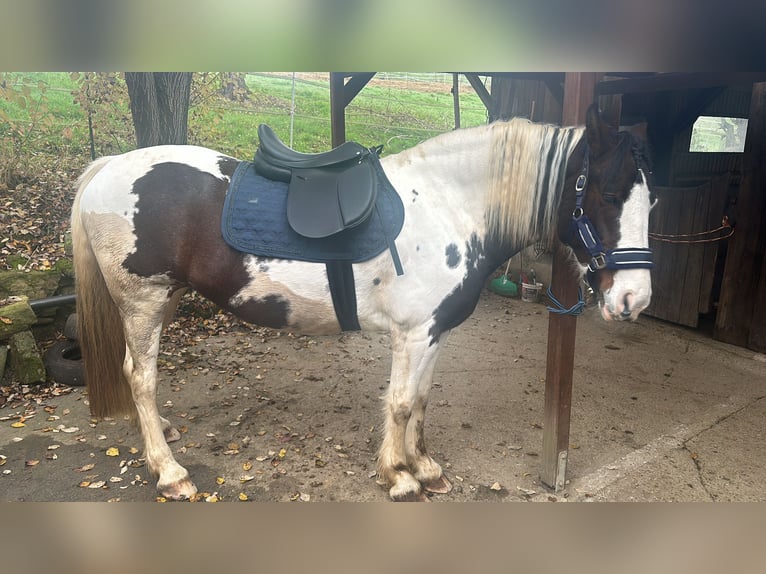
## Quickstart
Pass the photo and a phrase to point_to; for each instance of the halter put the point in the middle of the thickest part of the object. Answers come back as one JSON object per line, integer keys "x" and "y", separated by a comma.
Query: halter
{"x": 625, "y": 258}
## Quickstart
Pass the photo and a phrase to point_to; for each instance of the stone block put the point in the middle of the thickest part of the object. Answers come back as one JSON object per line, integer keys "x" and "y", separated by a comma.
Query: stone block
{"x": 25, "y": 359}
{"x": 15, "y": 316}
{"x": 3, "y": 358}
{"x": 32, "y": 284}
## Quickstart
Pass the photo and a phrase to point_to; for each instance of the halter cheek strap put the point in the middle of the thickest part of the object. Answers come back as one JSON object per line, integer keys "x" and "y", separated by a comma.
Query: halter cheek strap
{"x": 625, "y": 258}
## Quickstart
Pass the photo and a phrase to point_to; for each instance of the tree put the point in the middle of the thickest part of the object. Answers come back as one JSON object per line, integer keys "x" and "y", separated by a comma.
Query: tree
{"x": 159, "y": 104}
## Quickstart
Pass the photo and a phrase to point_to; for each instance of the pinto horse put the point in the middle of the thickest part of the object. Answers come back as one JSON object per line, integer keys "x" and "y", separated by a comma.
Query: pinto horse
{"x": 146, "y": 228}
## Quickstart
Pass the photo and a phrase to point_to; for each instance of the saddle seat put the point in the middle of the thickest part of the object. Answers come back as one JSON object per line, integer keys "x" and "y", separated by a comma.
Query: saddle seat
{"x": 327, "y": 192}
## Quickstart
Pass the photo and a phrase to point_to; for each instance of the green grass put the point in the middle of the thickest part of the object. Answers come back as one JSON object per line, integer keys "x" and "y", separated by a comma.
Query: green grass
{"x": 394, "y": 116}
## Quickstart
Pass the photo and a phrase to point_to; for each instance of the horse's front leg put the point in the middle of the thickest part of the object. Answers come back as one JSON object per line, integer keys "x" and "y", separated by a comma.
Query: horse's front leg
{"x": 425, "y": 469}
{"x": 413, "y": 358}
{"x": 142, "y": 336}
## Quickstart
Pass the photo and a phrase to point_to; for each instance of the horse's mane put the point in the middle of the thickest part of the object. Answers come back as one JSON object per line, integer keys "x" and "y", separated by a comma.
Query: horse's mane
{"x": 527, "y": 169}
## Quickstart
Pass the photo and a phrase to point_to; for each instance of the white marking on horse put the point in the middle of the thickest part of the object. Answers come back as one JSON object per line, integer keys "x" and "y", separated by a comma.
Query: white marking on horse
{"x": 631, "y": 289}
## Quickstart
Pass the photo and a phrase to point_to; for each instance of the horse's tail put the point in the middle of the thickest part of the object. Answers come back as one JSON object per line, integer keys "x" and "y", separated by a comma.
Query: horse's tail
{"x": 99, "y": 328}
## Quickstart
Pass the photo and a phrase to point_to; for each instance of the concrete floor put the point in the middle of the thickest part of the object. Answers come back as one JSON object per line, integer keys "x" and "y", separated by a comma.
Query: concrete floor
{"x": 660, "y": 413}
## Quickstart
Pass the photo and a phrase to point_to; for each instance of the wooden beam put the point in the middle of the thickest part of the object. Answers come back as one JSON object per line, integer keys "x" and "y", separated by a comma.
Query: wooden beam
{"x": 354, "y": 85}
{"x": 456, "y": 98}
{"x": 341, "y": 95}
{"x": 579, "y": 93}
{"x": 482, "y": 92}
{"x": 678, "y": 81}
{"x": 337, "y": 108}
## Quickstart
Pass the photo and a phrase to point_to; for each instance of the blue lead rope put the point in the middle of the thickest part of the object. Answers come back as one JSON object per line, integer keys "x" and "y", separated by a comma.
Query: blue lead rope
{"x": 559, "y": 309}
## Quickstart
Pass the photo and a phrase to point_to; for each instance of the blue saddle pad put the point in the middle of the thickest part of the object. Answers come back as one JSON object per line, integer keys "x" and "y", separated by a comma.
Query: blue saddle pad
{"x": 254, "y": 221}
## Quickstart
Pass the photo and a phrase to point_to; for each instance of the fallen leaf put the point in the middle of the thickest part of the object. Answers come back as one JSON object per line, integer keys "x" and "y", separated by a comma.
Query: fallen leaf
{"x": 32, "y": 463}
{"x": 6, "y": 320}
{"x": 246, "y": 478}
{"x": 97, "y": 484}
{"x": 496, "y": 486}
{"x": 113, "y": 451}
{"x": 247, "y": 465}
{"x": 220, "y": 480}
{"x": 18, "y": 425}
{"x": 242, "y": 496}
{"x": 86, "y": 468}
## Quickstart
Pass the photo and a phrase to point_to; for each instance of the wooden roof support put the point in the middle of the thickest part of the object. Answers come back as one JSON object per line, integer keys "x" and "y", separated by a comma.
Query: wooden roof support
{"x": 482, "y": 92}
{"x": 579, "y": 93}
{"x": 342, "y": 94}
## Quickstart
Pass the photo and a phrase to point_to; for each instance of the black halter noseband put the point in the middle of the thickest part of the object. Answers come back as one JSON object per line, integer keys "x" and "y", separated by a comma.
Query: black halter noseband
{"x": 624, "y": 258}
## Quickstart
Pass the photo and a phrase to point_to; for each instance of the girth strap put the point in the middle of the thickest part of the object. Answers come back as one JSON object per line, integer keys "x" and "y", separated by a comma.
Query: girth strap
{"x": 341, "y": 277}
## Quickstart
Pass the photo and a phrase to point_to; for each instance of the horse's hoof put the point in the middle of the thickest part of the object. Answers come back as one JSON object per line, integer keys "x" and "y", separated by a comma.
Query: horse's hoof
{"x": 439, "y": 486}
{"x": 180, "y": 490}
{"x": 407, "y": 489}
{"x": 411, "y": 497}
{"x": 171, "y": 434}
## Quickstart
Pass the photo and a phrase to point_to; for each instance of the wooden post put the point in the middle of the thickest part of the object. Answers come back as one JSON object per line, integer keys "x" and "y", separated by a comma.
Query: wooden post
{"x": 741, "y": 318}
{"x": 456, "y": 98}
{"x": 337, "y": 108}
{"x": 341, "y": 95}
{"x": 579, "y": 92}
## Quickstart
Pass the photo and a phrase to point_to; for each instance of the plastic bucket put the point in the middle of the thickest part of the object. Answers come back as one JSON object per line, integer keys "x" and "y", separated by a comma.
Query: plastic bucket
{"x": 531, "y": 292}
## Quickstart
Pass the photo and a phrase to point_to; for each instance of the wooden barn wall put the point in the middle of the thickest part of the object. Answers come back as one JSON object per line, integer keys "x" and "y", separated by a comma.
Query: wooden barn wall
{"x": 741, "y": 318}
{"x": 742, "y": 278}
{"x": 523, "y": 98}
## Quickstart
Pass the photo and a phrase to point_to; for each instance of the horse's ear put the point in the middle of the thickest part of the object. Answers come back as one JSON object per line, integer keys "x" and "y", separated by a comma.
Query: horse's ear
{"x": 601, "y": 136}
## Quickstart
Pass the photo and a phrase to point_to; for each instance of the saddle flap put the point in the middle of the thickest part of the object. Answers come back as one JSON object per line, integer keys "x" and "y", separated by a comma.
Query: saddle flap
{"x": 322, "y": 202}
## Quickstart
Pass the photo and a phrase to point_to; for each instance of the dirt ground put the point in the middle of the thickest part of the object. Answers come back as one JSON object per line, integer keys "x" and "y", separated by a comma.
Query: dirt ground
{"x": 659, "y": 413}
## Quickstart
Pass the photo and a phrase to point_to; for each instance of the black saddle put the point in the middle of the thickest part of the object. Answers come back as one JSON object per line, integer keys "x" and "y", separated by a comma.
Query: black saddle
{"x": 327, "y": 192}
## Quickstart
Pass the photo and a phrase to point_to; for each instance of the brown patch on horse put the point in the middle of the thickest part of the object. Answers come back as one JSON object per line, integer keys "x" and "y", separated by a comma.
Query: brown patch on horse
{"x": 178, "y": 232}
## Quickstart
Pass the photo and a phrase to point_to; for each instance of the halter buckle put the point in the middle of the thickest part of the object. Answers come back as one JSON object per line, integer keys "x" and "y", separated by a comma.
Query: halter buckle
{"x": 580, "y": 183}
{"x": 577, "y": 213}
{"x": 597, "y": 262}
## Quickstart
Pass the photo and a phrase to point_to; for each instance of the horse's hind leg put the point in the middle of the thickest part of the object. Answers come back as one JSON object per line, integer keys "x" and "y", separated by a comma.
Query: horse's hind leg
{"x": 413, "y": 358}
{"x": 143, "y": 323}
{"x": 171, "y": 433}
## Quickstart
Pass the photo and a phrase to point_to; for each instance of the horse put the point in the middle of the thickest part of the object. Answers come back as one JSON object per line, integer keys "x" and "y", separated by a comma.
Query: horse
{"x": 146, "y": 228}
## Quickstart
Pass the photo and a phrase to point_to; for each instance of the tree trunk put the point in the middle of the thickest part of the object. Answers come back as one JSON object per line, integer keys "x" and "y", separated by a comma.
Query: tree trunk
{"x": 233, "y": 86}
{"x": 159, "y": 104}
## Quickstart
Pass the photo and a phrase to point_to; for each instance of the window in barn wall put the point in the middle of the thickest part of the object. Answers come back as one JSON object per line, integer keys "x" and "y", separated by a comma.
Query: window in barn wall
{"x": 716, "y": 135}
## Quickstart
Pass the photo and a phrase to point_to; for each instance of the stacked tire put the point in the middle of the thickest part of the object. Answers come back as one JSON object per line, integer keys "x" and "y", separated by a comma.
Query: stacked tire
{"x": 63, "y": 361}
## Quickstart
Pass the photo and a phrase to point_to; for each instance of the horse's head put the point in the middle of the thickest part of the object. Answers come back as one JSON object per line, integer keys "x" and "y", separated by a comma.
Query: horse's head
{"x": 604, "y": 216}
